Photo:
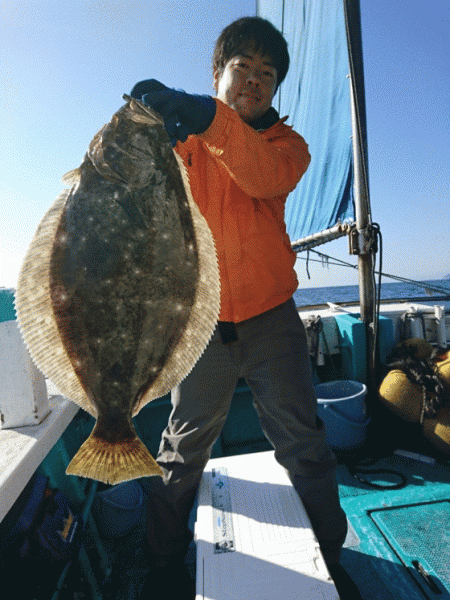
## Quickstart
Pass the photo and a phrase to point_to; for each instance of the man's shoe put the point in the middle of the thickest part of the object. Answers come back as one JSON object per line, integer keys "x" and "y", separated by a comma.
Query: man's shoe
{"x": 345, "y": 585}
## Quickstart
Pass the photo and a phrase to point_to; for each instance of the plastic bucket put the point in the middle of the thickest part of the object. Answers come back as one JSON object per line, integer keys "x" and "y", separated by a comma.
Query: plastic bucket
{"x": 342, "y": 407}
{"x": 119, "y": 509}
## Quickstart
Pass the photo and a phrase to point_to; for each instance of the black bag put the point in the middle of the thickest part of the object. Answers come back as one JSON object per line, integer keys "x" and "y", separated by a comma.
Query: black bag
{"x": 43, "y": 539}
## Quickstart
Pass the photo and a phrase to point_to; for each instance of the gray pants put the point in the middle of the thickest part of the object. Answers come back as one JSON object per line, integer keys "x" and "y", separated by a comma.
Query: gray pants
{"x": 271, "y": 355}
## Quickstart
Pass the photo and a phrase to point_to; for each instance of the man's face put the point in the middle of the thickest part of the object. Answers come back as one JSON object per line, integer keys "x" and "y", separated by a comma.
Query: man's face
{"x": 247, "y": 84}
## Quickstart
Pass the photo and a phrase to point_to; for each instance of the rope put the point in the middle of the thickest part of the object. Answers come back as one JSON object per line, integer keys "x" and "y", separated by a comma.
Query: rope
{"x": 342, "y": 263}
{"x": 424, "y": 373}
{"x": 357, "y": 463}
{"x": 354, "y": 470}
{"x": 377, "y": 242}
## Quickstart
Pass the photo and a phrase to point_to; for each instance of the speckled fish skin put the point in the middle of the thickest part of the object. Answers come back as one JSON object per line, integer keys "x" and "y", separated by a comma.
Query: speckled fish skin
{"x": 128, "y": 281}
{"x": 124, "y": 266}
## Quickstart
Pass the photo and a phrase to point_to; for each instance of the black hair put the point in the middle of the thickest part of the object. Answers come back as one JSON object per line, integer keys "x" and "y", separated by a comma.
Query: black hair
{"x": 255, "y": 34}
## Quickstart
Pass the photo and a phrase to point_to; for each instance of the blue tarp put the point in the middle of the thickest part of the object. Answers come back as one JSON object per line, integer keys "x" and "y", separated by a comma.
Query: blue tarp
{"x": 315, "y": 95}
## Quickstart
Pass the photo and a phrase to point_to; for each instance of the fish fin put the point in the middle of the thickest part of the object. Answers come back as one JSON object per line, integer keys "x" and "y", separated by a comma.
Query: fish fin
{"x": 72, "y": 177}
{"x": 141, "y": 113}
{"x": 35, "y": 314}
{"x": 96, "y": 156}
{"x": 113, "y": 463}
{"x": 204, "y": 313}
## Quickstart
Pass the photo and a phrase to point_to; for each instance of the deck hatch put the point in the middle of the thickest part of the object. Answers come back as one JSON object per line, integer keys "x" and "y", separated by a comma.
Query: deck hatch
{"x": 420, "y": 536}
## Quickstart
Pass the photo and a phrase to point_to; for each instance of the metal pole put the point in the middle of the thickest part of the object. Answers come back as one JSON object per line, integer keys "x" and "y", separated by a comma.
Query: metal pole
{"x": 361, "y": 197}
{"x": 365, "y": 261}
{"x": 363, "y": 220}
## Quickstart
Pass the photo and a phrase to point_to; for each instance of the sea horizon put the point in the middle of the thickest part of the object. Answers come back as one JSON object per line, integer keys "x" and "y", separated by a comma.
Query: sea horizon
{"x": 389, "y": 290}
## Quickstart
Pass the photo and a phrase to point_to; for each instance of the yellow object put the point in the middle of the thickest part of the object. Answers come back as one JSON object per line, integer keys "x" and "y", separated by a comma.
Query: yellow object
{"x": 402, "y": 396}
{"x": 437, "y": 430}
{"x": 443, "y": 366}
{"x": 405, "y": 399}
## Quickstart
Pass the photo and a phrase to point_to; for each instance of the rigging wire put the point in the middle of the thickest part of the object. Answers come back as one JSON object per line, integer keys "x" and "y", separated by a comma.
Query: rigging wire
{"x": 342, "y": 263}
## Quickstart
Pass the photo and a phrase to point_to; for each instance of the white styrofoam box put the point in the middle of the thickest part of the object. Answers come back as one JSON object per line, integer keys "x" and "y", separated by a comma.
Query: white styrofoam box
{"x": 23, "y": 392}
{"x": 276, "y": 553}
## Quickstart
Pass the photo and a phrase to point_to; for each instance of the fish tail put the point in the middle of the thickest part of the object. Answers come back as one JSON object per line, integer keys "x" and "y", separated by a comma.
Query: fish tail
{"x": 113, "y": 462}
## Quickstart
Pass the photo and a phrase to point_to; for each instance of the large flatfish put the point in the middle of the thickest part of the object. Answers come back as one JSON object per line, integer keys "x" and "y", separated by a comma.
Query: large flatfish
{"x": 119, "y": 293}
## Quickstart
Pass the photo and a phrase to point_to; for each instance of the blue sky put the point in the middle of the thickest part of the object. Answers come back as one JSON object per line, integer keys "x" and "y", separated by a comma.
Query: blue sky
{"x": 66, "y": 64}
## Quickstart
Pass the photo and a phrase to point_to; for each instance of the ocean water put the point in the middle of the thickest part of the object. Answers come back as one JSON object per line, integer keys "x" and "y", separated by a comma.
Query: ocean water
{"x": 350, "y": 293}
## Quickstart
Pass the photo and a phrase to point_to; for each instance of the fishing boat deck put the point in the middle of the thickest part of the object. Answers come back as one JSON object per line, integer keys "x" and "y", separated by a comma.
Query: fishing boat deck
{"x": 399, "y": 537}
{"x": 398, "y": 541}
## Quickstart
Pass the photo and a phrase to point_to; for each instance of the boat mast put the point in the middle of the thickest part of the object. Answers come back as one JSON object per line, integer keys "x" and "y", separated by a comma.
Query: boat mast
{"x": 361, "y": 184}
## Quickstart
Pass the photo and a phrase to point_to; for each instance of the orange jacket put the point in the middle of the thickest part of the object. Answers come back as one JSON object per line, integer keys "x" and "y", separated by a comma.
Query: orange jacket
{"x": 240, "y": 179}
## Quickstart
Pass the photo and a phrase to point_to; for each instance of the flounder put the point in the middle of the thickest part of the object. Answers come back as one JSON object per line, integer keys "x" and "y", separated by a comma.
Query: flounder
{"x": 119, "y": 293}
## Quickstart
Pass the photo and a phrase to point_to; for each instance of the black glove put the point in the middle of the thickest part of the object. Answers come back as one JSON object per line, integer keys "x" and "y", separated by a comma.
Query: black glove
{"x": 183, "y": 113}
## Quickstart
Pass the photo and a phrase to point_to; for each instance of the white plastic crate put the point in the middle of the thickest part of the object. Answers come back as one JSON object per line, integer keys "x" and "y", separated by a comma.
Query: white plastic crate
{"x": 275, "y": 553}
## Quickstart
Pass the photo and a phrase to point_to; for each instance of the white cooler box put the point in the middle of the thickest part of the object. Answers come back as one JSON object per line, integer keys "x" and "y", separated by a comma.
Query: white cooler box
{"x": 254, "y": 539}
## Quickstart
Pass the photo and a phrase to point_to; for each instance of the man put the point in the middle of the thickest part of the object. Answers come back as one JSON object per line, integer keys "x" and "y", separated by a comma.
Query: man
{"x": 242, "y": 162}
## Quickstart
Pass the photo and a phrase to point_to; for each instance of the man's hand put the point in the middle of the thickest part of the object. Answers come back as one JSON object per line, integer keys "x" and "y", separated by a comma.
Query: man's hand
{"x": 183, "y": 113}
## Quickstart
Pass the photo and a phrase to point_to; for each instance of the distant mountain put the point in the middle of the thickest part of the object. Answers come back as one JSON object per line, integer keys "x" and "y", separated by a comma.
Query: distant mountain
{"x": 446, "y": 277}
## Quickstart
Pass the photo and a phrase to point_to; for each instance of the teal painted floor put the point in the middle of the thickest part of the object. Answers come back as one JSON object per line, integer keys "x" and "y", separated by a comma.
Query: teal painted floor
{"x": 390, "y": 529}
{"x": 398, "y": 546}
